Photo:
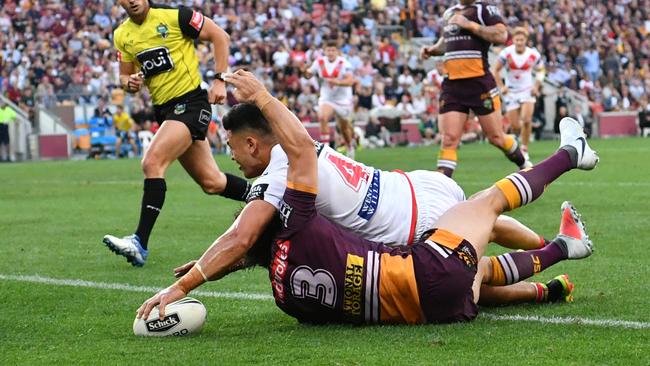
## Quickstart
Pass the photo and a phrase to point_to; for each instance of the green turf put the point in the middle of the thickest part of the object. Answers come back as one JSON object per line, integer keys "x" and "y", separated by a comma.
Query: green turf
{"x": 54, "y": 214}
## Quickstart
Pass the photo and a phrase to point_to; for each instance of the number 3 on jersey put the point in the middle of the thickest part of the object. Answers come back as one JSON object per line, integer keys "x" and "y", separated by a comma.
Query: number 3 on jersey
{"x": 352, "y": 172}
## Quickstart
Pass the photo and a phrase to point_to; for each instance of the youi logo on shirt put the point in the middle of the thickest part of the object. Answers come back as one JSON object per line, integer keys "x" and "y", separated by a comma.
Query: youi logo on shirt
{"x": 155, "y": 61}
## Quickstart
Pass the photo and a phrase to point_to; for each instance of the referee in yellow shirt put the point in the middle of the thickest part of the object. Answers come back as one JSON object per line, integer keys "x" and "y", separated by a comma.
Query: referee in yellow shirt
{"x": 155, "y": 47}
{"x": 7, "y": 115}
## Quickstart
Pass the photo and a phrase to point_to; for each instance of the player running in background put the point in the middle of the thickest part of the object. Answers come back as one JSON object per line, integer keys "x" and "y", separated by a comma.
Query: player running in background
{"x": 470, "y": 28}
{"x": 155, "y": 47}
{"x": 336, "y": 80}
{"x": 520, "y": 90}
{"x": 320, "y": 272}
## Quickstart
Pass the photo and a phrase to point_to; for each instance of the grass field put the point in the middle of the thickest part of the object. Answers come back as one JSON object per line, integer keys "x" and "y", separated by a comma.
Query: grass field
{"x": 54, "y": 214}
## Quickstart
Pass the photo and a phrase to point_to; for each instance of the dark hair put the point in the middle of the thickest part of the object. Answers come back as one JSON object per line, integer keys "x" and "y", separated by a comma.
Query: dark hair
{"x": 246, "y": 116}
{"x": 260, "y": 253}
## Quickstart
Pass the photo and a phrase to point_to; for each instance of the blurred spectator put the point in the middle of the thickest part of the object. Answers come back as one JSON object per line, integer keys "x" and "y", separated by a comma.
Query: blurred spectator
{"x": 124, "y": 130}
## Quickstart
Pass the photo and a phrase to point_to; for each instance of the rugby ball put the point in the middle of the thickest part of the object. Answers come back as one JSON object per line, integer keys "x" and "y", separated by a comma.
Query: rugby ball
{"x": 183, "y": 317}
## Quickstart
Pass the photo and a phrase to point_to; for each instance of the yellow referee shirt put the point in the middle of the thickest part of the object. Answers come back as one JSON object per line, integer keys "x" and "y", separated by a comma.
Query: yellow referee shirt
{"x": 163, "y": 48}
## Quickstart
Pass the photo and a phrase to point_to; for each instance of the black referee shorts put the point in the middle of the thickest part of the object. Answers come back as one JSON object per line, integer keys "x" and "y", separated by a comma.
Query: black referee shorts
{"x": 191, "y": 108}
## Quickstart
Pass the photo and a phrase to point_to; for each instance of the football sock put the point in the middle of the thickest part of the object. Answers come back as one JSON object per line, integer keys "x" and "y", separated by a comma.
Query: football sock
{"x": 325, "y": 138}
{"x": 447, "y": 160}
{"x": 153, "y": 199}
{"x": 513, "y": 267}
{"x": 513, "y": 152}
{"x": 236, "y": 188}
{"x": 527, "y": 185}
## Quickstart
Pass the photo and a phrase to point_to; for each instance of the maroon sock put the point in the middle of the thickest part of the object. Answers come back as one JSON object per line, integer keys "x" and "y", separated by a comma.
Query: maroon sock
{"x": 530, "y": 183}
{"x": 518, "y": 266}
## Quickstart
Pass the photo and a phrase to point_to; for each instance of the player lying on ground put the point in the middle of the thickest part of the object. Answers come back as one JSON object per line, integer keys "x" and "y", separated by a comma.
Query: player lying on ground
{"x": 322, "y": 273}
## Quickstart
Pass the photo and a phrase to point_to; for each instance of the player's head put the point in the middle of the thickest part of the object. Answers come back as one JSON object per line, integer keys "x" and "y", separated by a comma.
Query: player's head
{"x": 331, "y": 49}
{"x": 135, "y": 8}
{"x": 250, "y": 138}
{"x": 519, "y": 39}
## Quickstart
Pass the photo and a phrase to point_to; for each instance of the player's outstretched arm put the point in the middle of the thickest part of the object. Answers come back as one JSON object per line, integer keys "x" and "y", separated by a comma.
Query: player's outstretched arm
{"x": 496, "y": 72}
{"x": 291, "y": 133}
{"x": 227, "y": 251}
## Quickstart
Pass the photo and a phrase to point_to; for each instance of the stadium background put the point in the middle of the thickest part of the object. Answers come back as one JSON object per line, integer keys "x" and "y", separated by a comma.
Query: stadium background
{"x": 66, "y": 301}
{"x": 58, "y": 54}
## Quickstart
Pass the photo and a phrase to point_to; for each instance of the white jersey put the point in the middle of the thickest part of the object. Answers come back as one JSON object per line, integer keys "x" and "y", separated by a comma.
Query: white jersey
{"x": 324, "y": 69}
{"x": 349, "y": 193}
{"x": 519, "y": 67}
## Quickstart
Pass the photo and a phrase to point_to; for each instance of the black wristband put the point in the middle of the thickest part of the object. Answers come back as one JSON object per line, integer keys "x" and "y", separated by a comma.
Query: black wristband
{"x": 236, "y": 188}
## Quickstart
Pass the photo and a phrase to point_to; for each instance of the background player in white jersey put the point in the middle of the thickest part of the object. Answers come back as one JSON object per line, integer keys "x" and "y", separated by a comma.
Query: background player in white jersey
{"x": 520, "y": 90}
{"x": 336, "y": 80}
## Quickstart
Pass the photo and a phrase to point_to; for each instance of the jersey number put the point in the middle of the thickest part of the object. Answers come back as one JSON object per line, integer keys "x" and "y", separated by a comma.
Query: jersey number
{"x": 352, "y": 172}
{"x": 318, "y": 284}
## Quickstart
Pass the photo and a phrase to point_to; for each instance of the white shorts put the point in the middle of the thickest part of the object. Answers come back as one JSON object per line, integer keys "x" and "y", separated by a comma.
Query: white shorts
{"x": 340, "y": 110}
{"x": 435, "y": 193}
{"x": 514, "y": 100}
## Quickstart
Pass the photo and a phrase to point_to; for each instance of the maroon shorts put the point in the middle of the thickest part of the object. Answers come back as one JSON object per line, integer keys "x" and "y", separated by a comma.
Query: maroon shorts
{"x": 481, "y": 95}
{"x": 444, "y": 273}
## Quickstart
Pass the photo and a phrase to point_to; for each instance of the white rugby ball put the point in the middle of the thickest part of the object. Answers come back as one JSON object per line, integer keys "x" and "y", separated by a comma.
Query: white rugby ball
{"x": 183, "y": 317}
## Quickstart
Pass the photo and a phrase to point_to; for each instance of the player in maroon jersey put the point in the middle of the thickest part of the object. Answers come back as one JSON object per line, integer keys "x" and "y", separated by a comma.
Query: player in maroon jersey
{"x": 322, "y": 273}
{"x": 470, "y": 28}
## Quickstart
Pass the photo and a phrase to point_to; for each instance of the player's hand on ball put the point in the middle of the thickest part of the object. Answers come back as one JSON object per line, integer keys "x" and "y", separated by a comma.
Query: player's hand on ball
{"x": 162, "y": 298}
{"x": 134, "y": 82}
{"x": 217, "y": 92}
{"x": 246, "y": 85}
{"x": 182, "y": 270}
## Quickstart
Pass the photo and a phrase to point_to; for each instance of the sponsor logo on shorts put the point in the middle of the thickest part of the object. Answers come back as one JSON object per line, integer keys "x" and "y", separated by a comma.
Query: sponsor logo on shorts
{"x": 353, "y": 285}
{"x": 279, "y": 269}
{"x": 162, "y": 30}
{"x": 487, "y": 103}
{"x": 179, "y": 109}
{"x": 166, "y": 323}
{"x": 205, "y": 117}
{"x": 466, "y": 255}
{"x": 371, "y": 200}
{"x": 285, "y": 213}
{"x": 257, "y": 192}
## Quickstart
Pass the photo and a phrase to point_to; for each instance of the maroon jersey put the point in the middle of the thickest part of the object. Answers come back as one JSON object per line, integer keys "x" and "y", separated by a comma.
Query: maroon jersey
{"x": 466, "y": 54}
{"x": 322, "y": 273}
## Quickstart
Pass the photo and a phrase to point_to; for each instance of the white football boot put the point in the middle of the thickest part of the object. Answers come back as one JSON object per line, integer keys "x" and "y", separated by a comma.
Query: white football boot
{"x": 571, "y": 134}
{"x": 129, "y": 247}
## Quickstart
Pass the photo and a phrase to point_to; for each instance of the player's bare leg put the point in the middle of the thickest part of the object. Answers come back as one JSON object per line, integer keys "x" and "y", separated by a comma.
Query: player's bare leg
{"x": 527, "y": 110}
{"x": 559, "y": 289}
{"x": 510, "y": 233}
{"x": 451, "y": 129}
{"x": 200, "y": 165}
{"x": 514, "y": 121}
{"x": 347, "y": 132}
{"x": 325, "y": 115}
{"x": 491, "y": 126}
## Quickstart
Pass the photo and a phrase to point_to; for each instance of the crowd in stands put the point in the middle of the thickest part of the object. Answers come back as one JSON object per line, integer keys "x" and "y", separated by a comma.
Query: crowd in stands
{"x": 59, "y": 51}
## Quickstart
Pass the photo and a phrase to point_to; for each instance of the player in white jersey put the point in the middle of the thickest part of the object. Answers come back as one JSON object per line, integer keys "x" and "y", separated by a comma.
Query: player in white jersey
{"x": 335, "y": 74}
{"x": 388, "y": 207}
{"x": 521, "y": 89}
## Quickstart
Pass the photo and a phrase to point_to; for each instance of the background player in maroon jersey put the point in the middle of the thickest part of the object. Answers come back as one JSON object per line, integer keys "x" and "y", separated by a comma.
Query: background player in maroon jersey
{"x": 320, "y": 272}
{"x": 470, "y": 28}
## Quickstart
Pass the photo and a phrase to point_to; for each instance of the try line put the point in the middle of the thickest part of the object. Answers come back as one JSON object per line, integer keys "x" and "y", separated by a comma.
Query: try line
{"x": 609, "y": 323}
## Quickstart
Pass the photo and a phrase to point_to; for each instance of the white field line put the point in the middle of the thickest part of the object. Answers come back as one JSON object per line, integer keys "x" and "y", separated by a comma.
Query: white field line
{"x": 606, "y": 323}
{"x": 609, "y": 323}
{"x": 126, "y": 287}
